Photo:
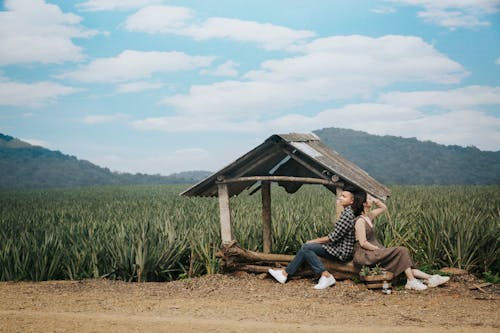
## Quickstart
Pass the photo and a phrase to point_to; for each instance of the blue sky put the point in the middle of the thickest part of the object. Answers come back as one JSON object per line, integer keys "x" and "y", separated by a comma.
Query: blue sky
{"x": 159, "y": 87}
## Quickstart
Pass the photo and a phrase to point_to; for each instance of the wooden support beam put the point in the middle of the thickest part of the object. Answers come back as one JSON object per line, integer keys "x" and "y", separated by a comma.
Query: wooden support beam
{"x": 305, "y": 164}
{"x": 339, "y": 207}
{"x": 266, "y": 216}
{"x": 305, "y": 180}
{"x": 225, "y": 214}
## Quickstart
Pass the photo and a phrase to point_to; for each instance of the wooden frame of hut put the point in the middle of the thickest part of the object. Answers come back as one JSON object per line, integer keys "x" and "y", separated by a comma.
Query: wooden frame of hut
{"x": 290, "y": 160}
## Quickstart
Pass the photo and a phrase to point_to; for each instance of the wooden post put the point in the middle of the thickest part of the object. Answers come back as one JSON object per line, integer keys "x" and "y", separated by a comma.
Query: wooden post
{"x": 339, "y": 207}
{"x": 225, "y": 214}
{"x": 266, "y": 216}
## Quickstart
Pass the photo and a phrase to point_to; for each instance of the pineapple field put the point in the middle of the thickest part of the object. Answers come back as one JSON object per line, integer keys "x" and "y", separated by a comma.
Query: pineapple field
{"x": 150, "y": 233}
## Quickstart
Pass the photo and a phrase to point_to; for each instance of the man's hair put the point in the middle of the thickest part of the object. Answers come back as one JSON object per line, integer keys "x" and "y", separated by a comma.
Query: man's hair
{"x": 350, "y": 188}
{"x": 359, "y": 199}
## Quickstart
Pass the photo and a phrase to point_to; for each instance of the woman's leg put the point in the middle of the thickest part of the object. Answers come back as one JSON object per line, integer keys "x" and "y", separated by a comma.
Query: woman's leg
{"x": 409, "y": 274}
{"x": 420, "y": 275}
{"x": 412, "y": 282}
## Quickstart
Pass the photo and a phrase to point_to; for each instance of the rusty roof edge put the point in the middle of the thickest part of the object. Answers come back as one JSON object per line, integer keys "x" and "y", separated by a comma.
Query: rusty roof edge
{"x": 382, "y": 187}
{"x": 297, "y": 137}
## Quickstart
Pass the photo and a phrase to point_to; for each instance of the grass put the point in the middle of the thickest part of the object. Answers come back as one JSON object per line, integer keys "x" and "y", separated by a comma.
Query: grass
{"x": 150, "y": 233}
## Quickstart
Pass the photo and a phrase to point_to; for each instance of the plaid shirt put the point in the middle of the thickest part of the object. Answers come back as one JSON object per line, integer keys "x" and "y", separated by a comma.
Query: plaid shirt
{"x": 342, "y": 237}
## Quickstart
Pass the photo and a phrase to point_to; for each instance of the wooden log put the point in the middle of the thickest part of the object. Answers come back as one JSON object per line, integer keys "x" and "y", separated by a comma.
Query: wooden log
{"x": 266, "y": 216}
{"x": 225, "y": 214}
{"x": 235, "y": 258}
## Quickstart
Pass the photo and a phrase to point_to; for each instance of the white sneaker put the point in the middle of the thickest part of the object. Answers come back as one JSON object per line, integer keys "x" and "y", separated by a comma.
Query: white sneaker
{"x": 325, "y": 282}
{"x": 278, "y": 275}
{"x": 437, "y": 280}
{"x": 415, "y": 284}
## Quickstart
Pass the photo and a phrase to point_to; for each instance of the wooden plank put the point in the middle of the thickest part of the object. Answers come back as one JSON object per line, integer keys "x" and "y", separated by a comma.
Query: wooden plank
{"x": 225, "y": 214}
{"x": 266, "y": 216}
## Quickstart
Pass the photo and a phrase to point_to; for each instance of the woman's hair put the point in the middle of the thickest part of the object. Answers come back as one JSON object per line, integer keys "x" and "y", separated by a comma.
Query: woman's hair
{"x": 359, "y": 199}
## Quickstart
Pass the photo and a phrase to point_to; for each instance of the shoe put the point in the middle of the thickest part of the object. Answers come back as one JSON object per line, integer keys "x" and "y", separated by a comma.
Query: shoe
{"x": 437, "y": 280}
{"x": 278, "y": 275}
{"x": 415, "y": 284}
{"x": 325, "y": 282}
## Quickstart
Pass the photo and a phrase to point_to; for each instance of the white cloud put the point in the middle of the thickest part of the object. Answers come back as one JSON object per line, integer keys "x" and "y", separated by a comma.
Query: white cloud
{"x": 133, "y": 65}
{"x": 104, "y": 5}
{"x": 32, "y": 94}
{"x": 332, "y": 68}
{"x": 178, "y": 21}
{"x": 37, "y": 142}
{"x": 153, "y": 163}
{"x": 461, "y": 98}
{"x": 226, "y": 69}
{"x": 159, "y": 19}
{"x": 34, "y": 31}
{"x": 102, "y": 119}
{"x": 138, "y": 86}
{"x": 454, "y": 13}
{"x": 383, "y": 10}
{"x": 185, "y": 124}
{"x": 497, "y": 61}
{"x": 464, "y": 128}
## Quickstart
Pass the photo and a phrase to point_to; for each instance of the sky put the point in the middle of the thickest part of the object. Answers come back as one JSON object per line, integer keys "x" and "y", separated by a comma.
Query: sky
{"x": 164, "y": 86}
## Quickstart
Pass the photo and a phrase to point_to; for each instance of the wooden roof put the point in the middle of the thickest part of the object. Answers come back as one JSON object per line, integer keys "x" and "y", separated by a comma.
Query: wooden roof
{"x": 281, "y": 156}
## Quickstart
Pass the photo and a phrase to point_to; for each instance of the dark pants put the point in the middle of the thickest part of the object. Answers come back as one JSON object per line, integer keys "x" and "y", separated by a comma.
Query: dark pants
{"x": 309, "y": 252}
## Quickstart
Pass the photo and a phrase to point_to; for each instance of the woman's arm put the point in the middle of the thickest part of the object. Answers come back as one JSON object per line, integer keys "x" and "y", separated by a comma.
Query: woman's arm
{"x": 380, "y": 208}
{"x": 361, "y": 236}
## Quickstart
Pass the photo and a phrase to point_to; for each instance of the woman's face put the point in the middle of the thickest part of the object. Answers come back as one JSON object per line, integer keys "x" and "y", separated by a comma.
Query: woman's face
{"x": 369, "y": 202}
{"x": 346, "y": 198}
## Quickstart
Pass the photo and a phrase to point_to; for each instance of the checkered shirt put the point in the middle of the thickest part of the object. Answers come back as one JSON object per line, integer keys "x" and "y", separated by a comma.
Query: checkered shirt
{"x": 342, "y": 237}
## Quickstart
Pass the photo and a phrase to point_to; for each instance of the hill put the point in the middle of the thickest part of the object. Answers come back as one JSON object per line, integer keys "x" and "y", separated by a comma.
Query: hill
{"x": 408, "y": 161}
{"x": 25, "y": 166}
{"x": 389, "y": 159}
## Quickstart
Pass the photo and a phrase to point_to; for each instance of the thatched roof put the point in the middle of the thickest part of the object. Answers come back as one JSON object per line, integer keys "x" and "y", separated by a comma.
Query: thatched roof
{"x": 290, "y": 155}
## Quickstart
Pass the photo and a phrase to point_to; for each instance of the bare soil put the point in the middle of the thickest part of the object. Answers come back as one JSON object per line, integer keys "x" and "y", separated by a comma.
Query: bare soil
{"x": 244, "y": 303}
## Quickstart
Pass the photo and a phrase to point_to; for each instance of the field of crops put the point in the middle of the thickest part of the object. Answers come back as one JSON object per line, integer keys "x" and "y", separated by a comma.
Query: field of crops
{"x": 150, "y": 233}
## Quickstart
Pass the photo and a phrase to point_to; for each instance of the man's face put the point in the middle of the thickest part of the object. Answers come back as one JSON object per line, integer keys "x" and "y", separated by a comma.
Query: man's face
{"x": 346, "y": 198}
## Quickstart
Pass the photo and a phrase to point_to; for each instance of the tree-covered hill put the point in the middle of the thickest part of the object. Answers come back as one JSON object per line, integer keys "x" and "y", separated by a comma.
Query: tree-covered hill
{"x": 25, "y": 166}
{"x": 389, "y": 159}
{"x": 408, "y": 161}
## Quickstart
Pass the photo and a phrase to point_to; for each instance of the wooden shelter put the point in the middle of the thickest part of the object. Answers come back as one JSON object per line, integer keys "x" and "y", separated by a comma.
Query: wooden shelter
{"x": 290, "y": 160}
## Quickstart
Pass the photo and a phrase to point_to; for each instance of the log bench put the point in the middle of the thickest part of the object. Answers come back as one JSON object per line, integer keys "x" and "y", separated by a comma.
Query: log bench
{"x": 235, "y": 258}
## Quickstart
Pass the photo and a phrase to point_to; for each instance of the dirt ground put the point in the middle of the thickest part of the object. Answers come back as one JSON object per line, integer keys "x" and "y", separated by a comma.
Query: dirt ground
{"x": 244, "y": 303}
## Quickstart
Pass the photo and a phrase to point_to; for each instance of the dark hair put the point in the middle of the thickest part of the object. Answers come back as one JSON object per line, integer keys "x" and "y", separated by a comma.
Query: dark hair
{"x": 358, "y": 204}
{"x": 359, "y": 199}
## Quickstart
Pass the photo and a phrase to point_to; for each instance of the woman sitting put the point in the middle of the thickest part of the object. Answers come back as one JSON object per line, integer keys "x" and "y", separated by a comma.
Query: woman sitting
{"x": 369, "y": 252}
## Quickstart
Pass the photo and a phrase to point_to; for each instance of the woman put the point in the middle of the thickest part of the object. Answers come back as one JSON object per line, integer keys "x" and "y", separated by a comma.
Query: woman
{"x": 369, "y": 252}
{"x": 337, "y": 245}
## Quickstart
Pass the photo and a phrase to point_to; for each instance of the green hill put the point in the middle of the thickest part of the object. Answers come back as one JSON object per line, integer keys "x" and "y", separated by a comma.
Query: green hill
{"x": 408, "y": 161}
{"x": 25, "y": 166}
{"x": 389, "y": 159}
